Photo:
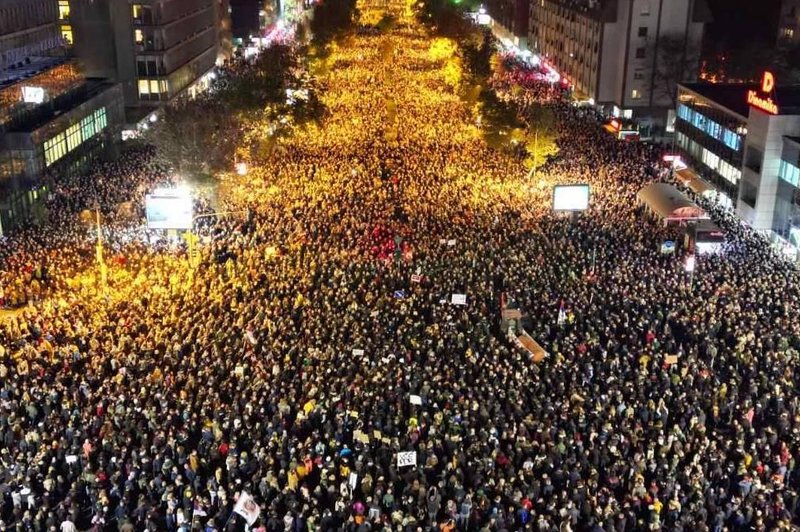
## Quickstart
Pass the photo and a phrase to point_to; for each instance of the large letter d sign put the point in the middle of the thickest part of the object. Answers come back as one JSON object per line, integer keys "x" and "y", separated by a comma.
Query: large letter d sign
{"x": 768, "y": 82}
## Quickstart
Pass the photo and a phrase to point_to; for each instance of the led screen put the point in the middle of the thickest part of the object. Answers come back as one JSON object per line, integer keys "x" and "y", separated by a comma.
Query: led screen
{"x": 570, "y": 197}
{"x": 169, "y": 211}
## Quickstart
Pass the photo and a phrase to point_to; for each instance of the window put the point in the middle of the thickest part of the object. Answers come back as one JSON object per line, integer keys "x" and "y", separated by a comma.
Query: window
{"x": 138, "y": 36}
{"x": 789, "y": 173}
{"x": 74, "y": 137}
{"x": 787, "y": 32}
{"x": 729, "y": 172}
{"x": 55, "y": 149}
{"x": 66, "y": 33}
{"x": 144, "y": 87}
{"x": 63, "y": 9}
{"x": 641, "y": 53}
{"x": 100, "y": 119}
{"x": 154, "y": 86}
{"x": 749, "y": 193}
{"x": 142, "y": 14}
{"x": 684, "y": 112}
{"x": 642, "y": 31}
{"x": 713, "y": 129}
{"x": 645, "y": 12}
{"x": 710, "y": 159}
{"x": 87, "y": 127}
{"x": 753, "y": 159}
{"x": 731, "y": 139}
{"x": 638, "y": 74}
{"x": 636, "y": 94}
{"x": 683, "y": 140}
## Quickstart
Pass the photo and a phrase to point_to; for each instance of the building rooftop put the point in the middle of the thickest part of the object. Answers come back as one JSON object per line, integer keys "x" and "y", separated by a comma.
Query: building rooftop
{"x": 41, "y": 115}
{"x": 733, "y": 96}
{"x": 37, "y": 65}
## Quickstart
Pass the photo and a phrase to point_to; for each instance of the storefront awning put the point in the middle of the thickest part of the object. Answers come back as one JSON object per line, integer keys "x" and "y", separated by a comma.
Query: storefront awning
{"x": 669, "y": 203}
{"x": 695, "y": 183}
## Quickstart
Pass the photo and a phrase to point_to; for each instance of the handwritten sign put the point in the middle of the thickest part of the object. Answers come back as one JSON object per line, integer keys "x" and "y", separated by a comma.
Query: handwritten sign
{"x": 406, "y": 459}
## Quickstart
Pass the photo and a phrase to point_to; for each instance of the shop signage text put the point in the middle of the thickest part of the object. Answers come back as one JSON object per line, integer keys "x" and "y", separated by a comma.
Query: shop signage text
{"x": 763, "y": 100}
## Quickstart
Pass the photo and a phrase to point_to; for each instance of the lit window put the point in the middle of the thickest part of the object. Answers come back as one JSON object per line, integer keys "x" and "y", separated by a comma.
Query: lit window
{"x": 144, "y": 87}
{"x": 788, "y": 33}
{"x": 74, "y": 137}
{"x": 87, "y": 127}
{"x": 100, "y": 119}
{"x": 66, "y": 33}
{"x": 138, "y": 36}
{"x": 710, "y": 159}
{"x": 137, "y": 10}
{"x": 636, "y": 94}
{"x": 63, "y": 9}
{"x": 154, "y": 86}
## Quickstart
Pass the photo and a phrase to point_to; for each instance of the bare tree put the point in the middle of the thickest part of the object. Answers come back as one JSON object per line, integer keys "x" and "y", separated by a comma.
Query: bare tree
{"x": 675, "y": 61}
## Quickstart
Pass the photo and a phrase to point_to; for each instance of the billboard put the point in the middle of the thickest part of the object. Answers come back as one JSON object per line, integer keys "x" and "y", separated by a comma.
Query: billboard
{"x": 169, "y": 209}
{"x": 32, "y": 94}
{"x": 570, "y": 197}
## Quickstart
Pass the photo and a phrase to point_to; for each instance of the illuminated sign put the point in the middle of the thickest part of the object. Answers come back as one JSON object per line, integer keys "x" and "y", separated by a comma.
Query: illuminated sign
{"x": 169, "y": 209}
{"x": 571, "y": 197}
{"x": 764, "y": 101}
{"x": 32, "y": 94}
{"x": 767, "y": 83}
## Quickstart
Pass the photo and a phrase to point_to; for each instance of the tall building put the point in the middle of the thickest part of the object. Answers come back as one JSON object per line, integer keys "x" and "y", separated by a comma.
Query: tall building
{"x": 27, "y": 31}
{"x": 157, "y": 49}
{"x": 743, "y": 141}
{"x": 625, "y": 55}
{"x": 509, "y": 20}
{"x": 789, "y": 23}
{"x": 52, "y": 120}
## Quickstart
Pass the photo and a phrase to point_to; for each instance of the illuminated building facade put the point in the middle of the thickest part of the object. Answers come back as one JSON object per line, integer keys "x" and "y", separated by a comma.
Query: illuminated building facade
{"x": 509, "y": 19}
{"x": 52, "y": 121}
{"x": 157, "y": 49}
{"x": 743, "y": 140}
{"x": 613, "y": 51}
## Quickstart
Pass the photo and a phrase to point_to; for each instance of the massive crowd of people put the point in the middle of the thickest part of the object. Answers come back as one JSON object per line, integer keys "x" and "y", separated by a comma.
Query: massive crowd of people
{"x": 317, "y": 339}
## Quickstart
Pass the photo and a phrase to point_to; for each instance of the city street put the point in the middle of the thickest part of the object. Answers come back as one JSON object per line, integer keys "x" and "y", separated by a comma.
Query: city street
{"x": 335, "y": 359}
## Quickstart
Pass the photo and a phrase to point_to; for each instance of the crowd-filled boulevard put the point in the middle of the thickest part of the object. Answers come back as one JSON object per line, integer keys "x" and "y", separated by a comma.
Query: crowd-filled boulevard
{"x": 316, "y": 338}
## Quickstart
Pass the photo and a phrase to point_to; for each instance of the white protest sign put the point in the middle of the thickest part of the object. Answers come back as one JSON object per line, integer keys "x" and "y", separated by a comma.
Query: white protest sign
{"x": 459, "y": 299}
{"x": 247, "y": 508}
{"x": 408, "y": 458}
{"x": 416, "y": 400}
{"x": 358, "y": 352}
{"x": 353, "y": 481}
{"x": 451, "y": 242}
